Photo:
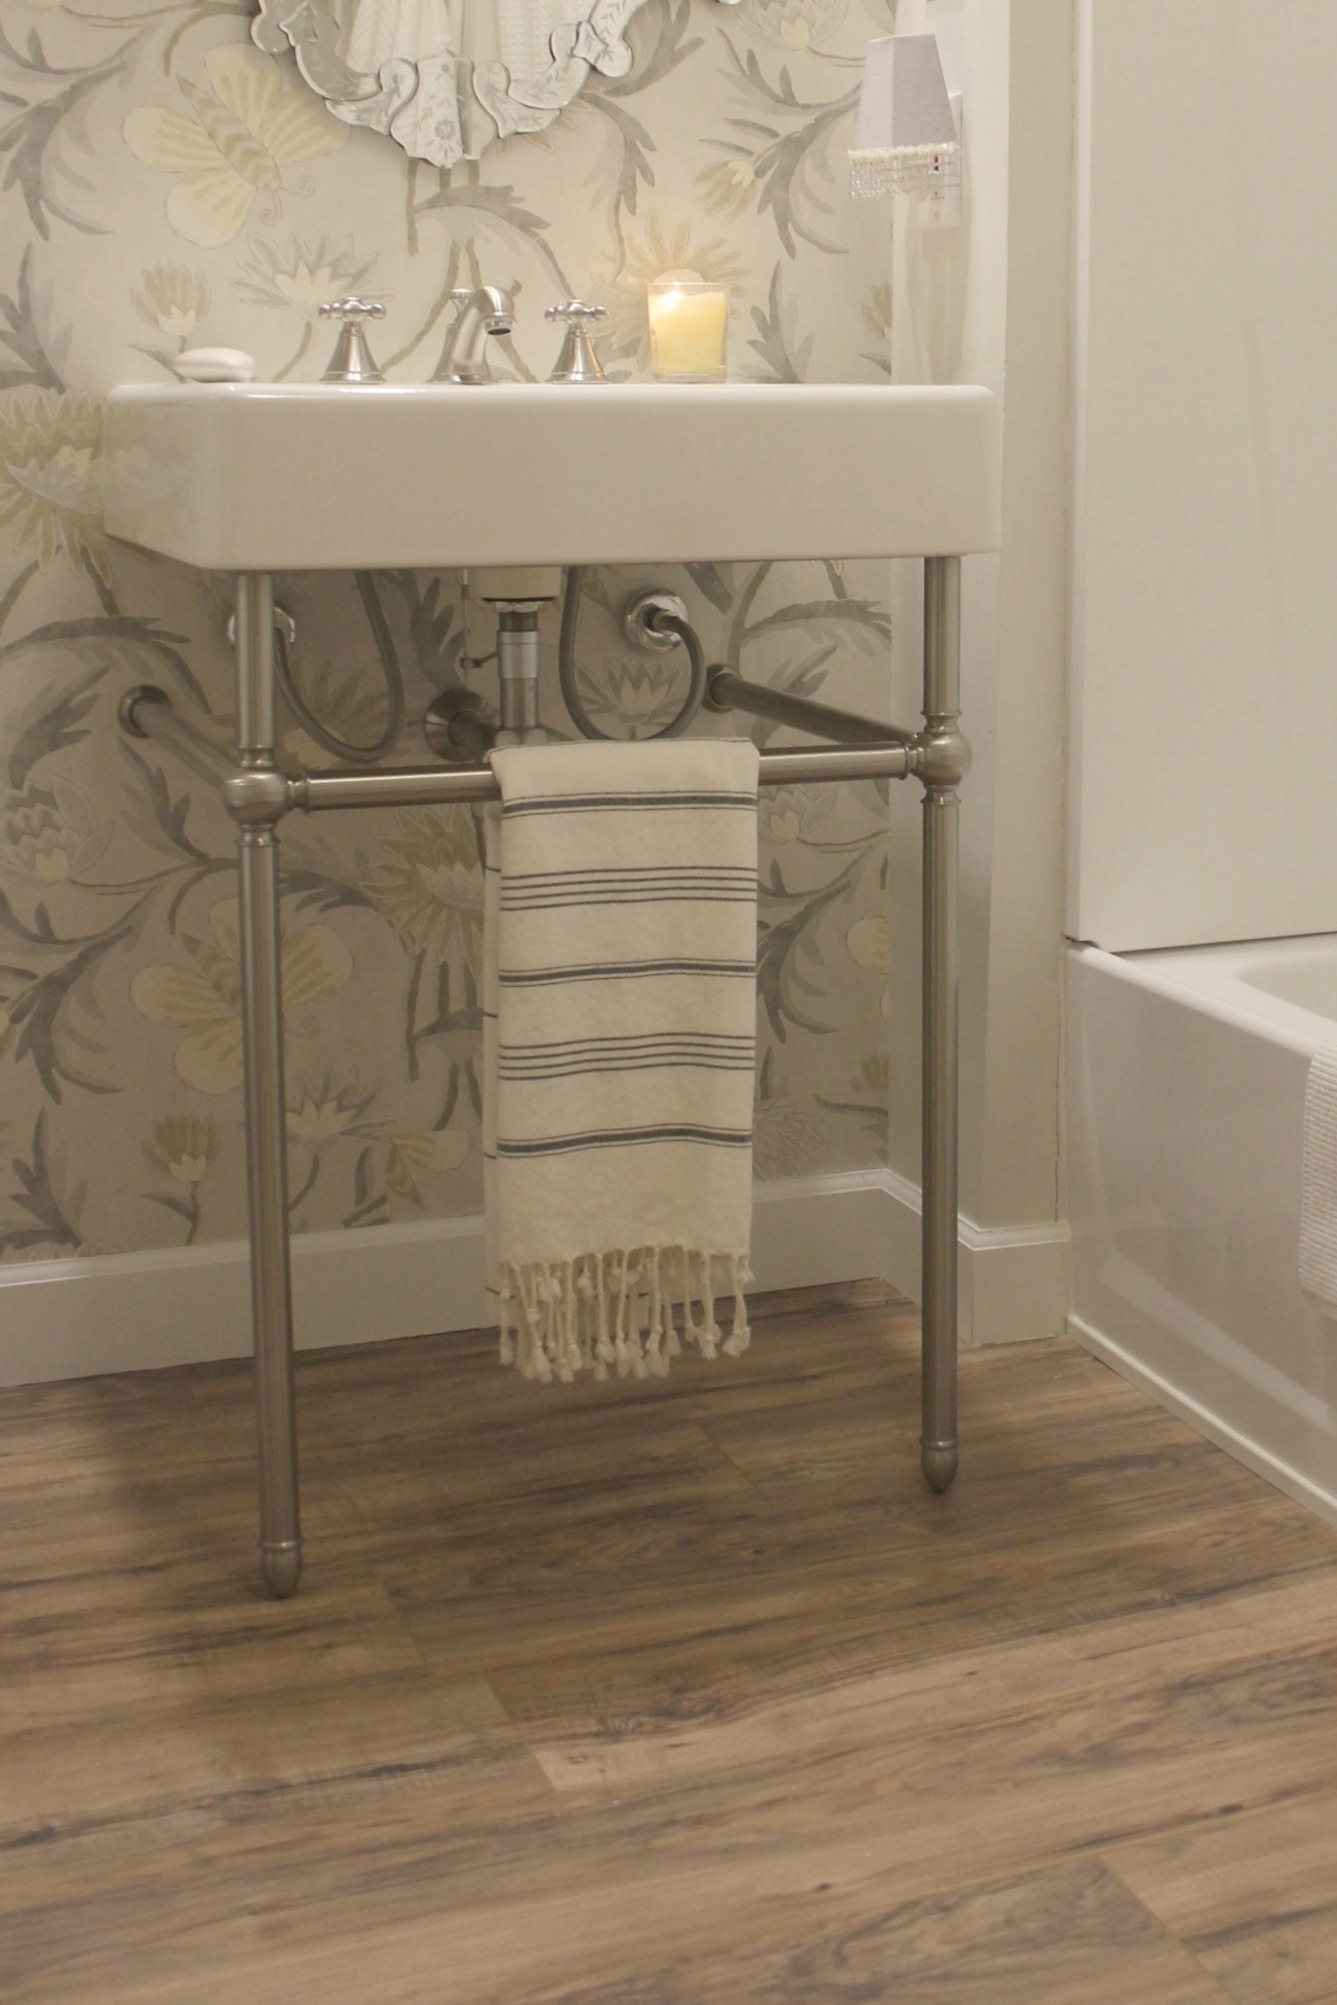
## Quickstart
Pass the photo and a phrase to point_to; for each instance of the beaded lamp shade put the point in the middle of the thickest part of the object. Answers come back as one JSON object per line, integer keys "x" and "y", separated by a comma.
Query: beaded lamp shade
{"x": 905, "y": 139}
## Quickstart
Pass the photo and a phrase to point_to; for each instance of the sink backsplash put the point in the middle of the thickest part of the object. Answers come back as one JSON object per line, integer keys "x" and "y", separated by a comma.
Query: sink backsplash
{"x": 721, "y": 154}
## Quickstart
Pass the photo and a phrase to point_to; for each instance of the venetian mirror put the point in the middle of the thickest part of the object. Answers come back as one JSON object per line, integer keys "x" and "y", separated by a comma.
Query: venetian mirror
{"x": 446, "y": 77}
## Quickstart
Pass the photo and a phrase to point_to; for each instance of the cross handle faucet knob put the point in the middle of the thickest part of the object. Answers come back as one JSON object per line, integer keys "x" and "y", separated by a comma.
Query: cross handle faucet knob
{"x": 576, "y": 309}
{"x": 353, "y": 309}
{"x": 578, "y": 361}
{"x": 352, "y": 359}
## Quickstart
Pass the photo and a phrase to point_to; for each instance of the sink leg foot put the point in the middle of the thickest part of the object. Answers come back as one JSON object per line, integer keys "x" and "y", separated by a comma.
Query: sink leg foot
{"x": 281, "y": 1566}
{"x": 938, "y": 1461}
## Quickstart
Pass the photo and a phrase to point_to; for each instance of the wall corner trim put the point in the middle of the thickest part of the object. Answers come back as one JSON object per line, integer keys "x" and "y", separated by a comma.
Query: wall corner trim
{"x": 1015, "y": 1279}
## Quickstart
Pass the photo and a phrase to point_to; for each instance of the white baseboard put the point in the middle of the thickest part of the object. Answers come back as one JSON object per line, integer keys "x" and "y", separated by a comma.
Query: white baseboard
{"x": 140, "y": 1311}
{"x": 1293, "y": 1482}
{"x": 1015, "y": 1280}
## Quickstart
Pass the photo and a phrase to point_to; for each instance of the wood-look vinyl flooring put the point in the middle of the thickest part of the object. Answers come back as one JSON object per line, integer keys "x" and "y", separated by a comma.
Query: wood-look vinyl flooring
{"x": 685, "y": 1693}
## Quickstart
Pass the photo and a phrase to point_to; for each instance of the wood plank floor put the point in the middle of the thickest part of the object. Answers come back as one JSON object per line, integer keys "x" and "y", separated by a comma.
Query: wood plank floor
{"x": 674, "y": 1694}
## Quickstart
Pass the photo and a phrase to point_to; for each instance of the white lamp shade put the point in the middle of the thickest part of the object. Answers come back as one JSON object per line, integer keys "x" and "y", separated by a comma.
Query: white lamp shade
{"x": 904, "y": 136}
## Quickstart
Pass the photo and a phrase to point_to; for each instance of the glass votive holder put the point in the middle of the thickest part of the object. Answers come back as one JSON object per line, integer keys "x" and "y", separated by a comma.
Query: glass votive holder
{"x": 689, "y": 323}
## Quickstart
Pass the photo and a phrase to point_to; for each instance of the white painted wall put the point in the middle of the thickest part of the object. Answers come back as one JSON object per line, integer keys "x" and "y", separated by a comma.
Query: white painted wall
{"x": 991, "y": 304}
{"x": 1204, "y": 747}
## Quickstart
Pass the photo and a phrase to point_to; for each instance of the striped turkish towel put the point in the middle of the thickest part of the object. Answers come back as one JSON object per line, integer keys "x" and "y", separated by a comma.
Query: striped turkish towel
{"x": 619, "y": 996}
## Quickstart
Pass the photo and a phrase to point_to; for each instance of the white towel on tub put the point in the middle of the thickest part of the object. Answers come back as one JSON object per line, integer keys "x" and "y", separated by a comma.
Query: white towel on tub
{"x": 619, "y": 992}
{"x": 1318, "y": 1197}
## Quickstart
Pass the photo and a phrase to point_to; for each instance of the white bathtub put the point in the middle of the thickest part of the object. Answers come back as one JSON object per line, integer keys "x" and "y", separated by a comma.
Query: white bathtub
{"x": 1186, "y": 1080}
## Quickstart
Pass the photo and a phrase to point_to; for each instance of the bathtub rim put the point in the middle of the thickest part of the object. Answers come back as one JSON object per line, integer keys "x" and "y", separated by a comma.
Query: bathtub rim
{"x": 1212, "y": 981}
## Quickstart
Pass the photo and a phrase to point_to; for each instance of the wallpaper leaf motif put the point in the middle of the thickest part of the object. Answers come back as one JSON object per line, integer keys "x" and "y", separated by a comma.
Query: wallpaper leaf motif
{"x": 51, "y": 475}
{"x": 165, "y": 183}
{"x": 36, "y": 1197}
{"x": 54, "y": 730}
{"x": 33, "y": 134}
{"x": 19, "y": 335}
{"x": 792, "y": 156}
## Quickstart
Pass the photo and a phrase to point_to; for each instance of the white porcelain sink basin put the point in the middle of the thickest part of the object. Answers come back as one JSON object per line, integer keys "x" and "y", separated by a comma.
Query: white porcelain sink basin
{"x": 256, "y": 477}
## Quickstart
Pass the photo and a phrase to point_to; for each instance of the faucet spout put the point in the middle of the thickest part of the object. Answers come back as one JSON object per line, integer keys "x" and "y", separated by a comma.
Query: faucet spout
{"x": 484, "y": 311}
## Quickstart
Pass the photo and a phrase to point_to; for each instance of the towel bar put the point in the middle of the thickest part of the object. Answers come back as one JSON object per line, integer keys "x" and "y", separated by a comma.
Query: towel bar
{"x": 258, "y": 796}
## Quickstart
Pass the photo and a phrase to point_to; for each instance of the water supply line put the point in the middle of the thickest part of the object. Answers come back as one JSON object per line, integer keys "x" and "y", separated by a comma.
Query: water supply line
{"x": 656, "y": 620}
{"x": 285, "y": 637}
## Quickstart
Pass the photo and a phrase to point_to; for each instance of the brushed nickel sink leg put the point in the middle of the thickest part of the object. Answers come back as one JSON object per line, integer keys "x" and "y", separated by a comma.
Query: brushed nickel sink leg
{"x": 262, "y": 1032}
{"x": 946, "y": 756}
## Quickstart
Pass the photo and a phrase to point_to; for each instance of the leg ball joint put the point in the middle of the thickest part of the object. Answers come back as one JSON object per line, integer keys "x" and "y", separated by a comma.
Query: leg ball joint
{"x": 257, "y": 796}
{"x": 941, "y": 757}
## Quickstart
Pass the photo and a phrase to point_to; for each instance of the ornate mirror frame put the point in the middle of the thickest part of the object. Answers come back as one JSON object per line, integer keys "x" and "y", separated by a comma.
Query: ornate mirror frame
{"x": 425, "y": 92}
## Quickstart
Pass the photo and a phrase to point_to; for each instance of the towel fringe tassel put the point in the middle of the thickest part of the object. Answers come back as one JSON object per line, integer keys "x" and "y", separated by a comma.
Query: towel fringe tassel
{"x": 632, "y": 1310}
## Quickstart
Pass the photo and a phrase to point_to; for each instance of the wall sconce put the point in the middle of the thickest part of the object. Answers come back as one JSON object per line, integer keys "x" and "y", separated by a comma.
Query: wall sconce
{"x": 905, "y": 137}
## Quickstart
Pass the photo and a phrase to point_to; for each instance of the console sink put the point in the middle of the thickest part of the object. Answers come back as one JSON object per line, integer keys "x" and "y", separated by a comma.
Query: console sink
{"x": 257, "y": 477}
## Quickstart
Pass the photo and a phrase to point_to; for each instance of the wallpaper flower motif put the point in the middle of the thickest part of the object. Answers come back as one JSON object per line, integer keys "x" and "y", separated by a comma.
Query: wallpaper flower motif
{"x": 298, "y": 276}
{"x": 428, "y": 881}
{"x": 183, "y": 1147}
{"x": 799, "y": 24}
{"x": 168, "y": 184}
{"x": 50, "y": 832}
{"x": 205, "y": 1001}
{"x": 172, "y": 300}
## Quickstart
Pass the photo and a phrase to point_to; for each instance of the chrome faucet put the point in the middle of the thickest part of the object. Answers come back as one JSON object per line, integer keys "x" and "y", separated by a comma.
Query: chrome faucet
{"x": 484, "y": 310}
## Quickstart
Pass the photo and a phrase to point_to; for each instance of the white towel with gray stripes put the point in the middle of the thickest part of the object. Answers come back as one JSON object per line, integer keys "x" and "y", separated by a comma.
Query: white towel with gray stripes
{"x": 619, "y": 996}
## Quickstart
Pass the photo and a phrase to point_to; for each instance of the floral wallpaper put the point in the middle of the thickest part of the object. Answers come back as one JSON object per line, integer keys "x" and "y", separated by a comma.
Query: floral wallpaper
{"x": 166, "y": 184}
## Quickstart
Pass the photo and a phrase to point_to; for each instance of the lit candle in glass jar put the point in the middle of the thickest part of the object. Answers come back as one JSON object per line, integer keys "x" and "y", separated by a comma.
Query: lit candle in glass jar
{"x": 689, "y": 320}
